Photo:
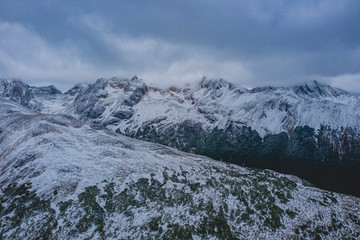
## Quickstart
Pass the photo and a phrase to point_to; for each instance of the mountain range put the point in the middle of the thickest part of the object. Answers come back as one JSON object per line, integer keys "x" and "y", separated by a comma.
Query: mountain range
{"x": 63, "y": 178}
{"x": 309, "y": 130}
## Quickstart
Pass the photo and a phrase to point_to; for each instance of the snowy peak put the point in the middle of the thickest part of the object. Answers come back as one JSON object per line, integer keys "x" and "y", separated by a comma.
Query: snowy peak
{"x": 117, "y": 95}
{"x": 309, "y": 89}
{"x": 16, "y": 87}
{"x": 80, "y": 87}
{"x": 128, "y": 84}
{"x": 216, "y": 84}
{"x": 317, "y": 89}
{"x": 44, "y": 91}
{"x": 17, "y": 91}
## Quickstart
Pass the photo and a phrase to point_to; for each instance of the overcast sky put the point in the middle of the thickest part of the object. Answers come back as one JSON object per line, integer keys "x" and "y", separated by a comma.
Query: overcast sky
{"x": 253, "y": 42}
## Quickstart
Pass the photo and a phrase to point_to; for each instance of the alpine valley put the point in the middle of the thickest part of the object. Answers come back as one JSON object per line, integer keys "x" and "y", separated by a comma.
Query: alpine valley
{"x": 72, "y": 165}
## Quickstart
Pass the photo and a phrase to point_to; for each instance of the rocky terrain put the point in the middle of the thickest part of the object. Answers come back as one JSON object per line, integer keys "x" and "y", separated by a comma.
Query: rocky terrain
{"x": 64, "y": 179}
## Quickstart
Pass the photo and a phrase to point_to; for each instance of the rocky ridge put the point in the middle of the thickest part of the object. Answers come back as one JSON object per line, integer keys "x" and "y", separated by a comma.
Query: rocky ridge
{"x": 63, "y": 179}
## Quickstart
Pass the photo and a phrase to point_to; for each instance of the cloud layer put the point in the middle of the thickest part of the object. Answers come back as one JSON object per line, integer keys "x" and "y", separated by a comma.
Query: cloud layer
{"x": 177, "y": 42}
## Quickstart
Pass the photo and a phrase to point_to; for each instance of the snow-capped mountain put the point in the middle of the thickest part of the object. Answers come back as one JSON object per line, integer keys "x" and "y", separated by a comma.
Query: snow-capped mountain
{"x": 63, "y": 179}
{"x": 128, "y": 105}
{"x": 22, "y": 93}
{"x": 310, "y": 130}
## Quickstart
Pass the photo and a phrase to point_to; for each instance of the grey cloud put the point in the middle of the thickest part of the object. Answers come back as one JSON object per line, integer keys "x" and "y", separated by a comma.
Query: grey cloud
{"x": 272, "y": 42}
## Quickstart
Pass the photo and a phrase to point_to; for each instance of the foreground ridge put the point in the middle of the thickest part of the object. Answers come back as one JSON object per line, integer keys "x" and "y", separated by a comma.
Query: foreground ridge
{"x": 60, "y": 178}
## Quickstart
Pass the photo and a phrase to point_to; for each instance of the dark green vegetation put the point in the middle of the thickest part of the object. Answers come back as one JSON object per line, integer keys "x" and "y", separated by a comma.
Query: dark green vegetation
{"x": 328, "y": 158}
{"x": 18, "y": 207}
{"x": 222, "y": 203}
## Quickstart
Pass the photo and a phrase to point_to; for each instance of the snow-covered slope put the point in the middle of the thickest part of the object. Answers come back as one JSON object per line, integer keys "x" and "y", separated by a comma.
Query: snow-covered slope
{"x": 62, "y": 179}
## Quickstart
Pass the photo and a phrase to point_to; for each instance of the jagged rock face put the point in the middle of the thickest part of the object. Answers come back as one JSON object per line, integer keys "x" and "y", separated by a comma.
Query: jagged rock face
{"x": 44, "y": 91}
{"x": 317, "y": 89}
{"x": 22, "y": 93}
{"x": 62, "y": 179}
{"x": 16, "y": 91}
{"x": 91, "y": 101}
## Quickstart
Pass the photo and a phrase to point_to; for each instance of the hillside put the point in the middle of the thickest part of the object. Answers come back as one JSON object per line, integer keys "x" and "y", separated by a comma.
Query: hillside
{"x": 62, "y": 179}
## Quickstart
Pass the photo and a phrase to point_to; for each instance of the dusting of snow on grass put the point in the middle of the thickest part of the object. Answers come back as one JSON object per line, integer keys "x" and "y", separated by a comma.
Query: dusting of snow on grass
{"x": 63, "y": 179}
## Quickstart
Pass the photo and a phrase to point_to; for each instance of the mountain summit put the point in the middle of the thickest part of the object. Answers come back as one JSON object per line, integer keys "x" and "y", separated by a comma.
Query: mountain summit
{"x": 17, "y": 91}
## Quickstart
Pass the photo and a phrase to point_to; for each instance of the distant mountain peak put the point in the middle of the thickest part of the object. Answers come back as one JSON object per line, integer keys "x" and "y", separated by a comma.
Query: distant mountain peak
{"x": 134, "y": 78}
{"x": 216, "y": 83}
{"x": 17, "y": 91}
{"x": 52, "y": 90}
{"x": 310, "y": 88}
{"x": 315, "y": 88}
